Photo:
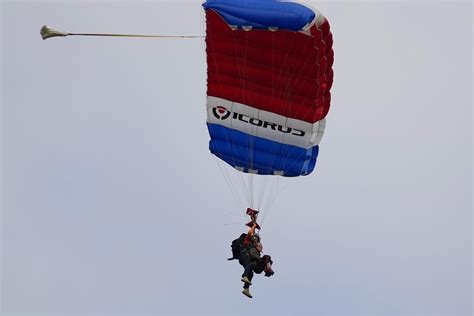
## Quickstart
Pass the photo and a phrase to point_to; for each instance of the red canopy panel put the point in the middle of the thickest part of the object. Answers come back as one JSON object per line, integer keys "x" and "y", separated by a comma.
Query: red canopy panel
{"x": 284, "y": 72}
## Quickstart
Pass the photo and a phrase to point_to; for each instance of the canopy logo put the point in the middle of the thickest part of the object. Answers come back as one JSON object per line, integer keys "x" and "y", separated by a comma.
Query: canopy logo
{"x": 221, "y": 113}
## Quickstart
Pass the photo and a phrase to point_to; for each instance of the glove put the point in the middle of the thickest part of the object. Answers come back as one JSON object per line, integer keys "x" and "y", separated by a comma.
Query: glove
{"x": 268, "y": 271}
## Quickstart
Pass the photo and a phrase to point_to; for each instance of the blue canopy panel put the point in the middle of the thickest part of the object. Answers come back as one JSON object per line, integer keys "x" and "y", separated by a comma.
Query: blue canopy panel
{"x": 262, "y": 14}
{"x": 249, "y": 153}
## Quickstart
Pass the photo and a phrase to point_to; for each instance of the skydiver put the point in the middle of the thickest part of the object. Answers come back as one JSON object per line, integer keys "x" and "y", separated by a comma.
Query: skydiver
{"x": 248, "y": 248}
{"x": 253, "y": 262}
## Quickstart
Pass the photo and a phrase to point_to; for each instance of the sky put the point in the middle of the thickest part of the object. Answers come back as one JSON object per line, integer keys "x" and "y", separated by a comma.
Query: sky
{"x": 111, "y": 203}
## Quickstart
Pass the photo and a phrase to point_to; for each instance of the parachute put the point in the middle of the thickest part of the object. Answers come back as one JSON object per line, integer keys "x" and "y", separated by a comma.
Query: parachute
{"x": 269, "y": 67}
{"x": 269, "y": 76}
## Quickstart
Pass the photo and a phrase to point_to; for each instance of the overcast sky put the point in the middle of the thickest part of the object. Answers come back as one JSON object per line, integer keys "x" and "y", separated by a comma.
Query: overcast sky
{"x": 112, "y": 203}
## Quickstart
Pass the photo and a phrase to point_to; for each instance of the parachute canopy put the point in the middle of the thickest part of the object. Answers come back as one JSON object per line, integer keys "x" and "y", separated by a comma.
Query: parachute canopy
{"x": 269, "y": 79}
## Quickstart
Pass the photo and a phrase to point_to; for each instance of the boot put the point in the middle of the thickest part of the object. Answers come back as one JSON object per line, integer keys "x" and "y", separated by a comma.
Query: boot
{"x": 246, "y": 292}
{"x": 246, "y": 280}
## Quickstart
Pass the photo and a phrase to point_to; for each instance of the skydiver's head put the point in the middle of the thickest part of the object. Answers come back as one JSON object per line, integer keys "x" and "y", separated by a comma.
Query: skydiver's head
{"x": 259, "y": 247}
{"x": 255, "y": 238}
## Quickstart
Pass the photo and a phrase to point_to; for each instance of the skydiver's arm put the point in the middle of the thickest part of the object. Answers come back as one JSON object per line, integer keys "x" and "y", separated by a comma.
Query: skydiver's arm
{"x": 249, "y": 234}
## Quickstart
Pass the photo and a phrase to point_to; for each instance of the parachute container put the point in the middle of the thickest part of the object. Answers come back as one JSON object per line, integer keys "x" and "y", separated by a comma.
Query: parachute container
{"x": 269, "y": 67}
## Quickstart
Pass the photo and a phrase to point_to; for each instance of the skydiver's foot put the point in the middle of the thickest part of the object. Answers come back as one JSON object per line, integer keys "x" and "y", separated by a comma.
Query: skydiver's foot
{"x": 246, "y": 292}
{"x": 246, "y": 280}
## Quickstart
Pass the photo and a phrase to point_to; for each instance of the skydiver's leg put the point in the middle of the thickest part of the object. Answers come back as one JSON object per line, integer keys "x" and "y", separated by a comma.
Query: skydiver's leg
{"x": 247, "y": 278}
{"x": 259, "y": 268}
{"x": 248, "y": 271}
{"x": 249, "y": 274}
{"x": 244, "y": 260}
